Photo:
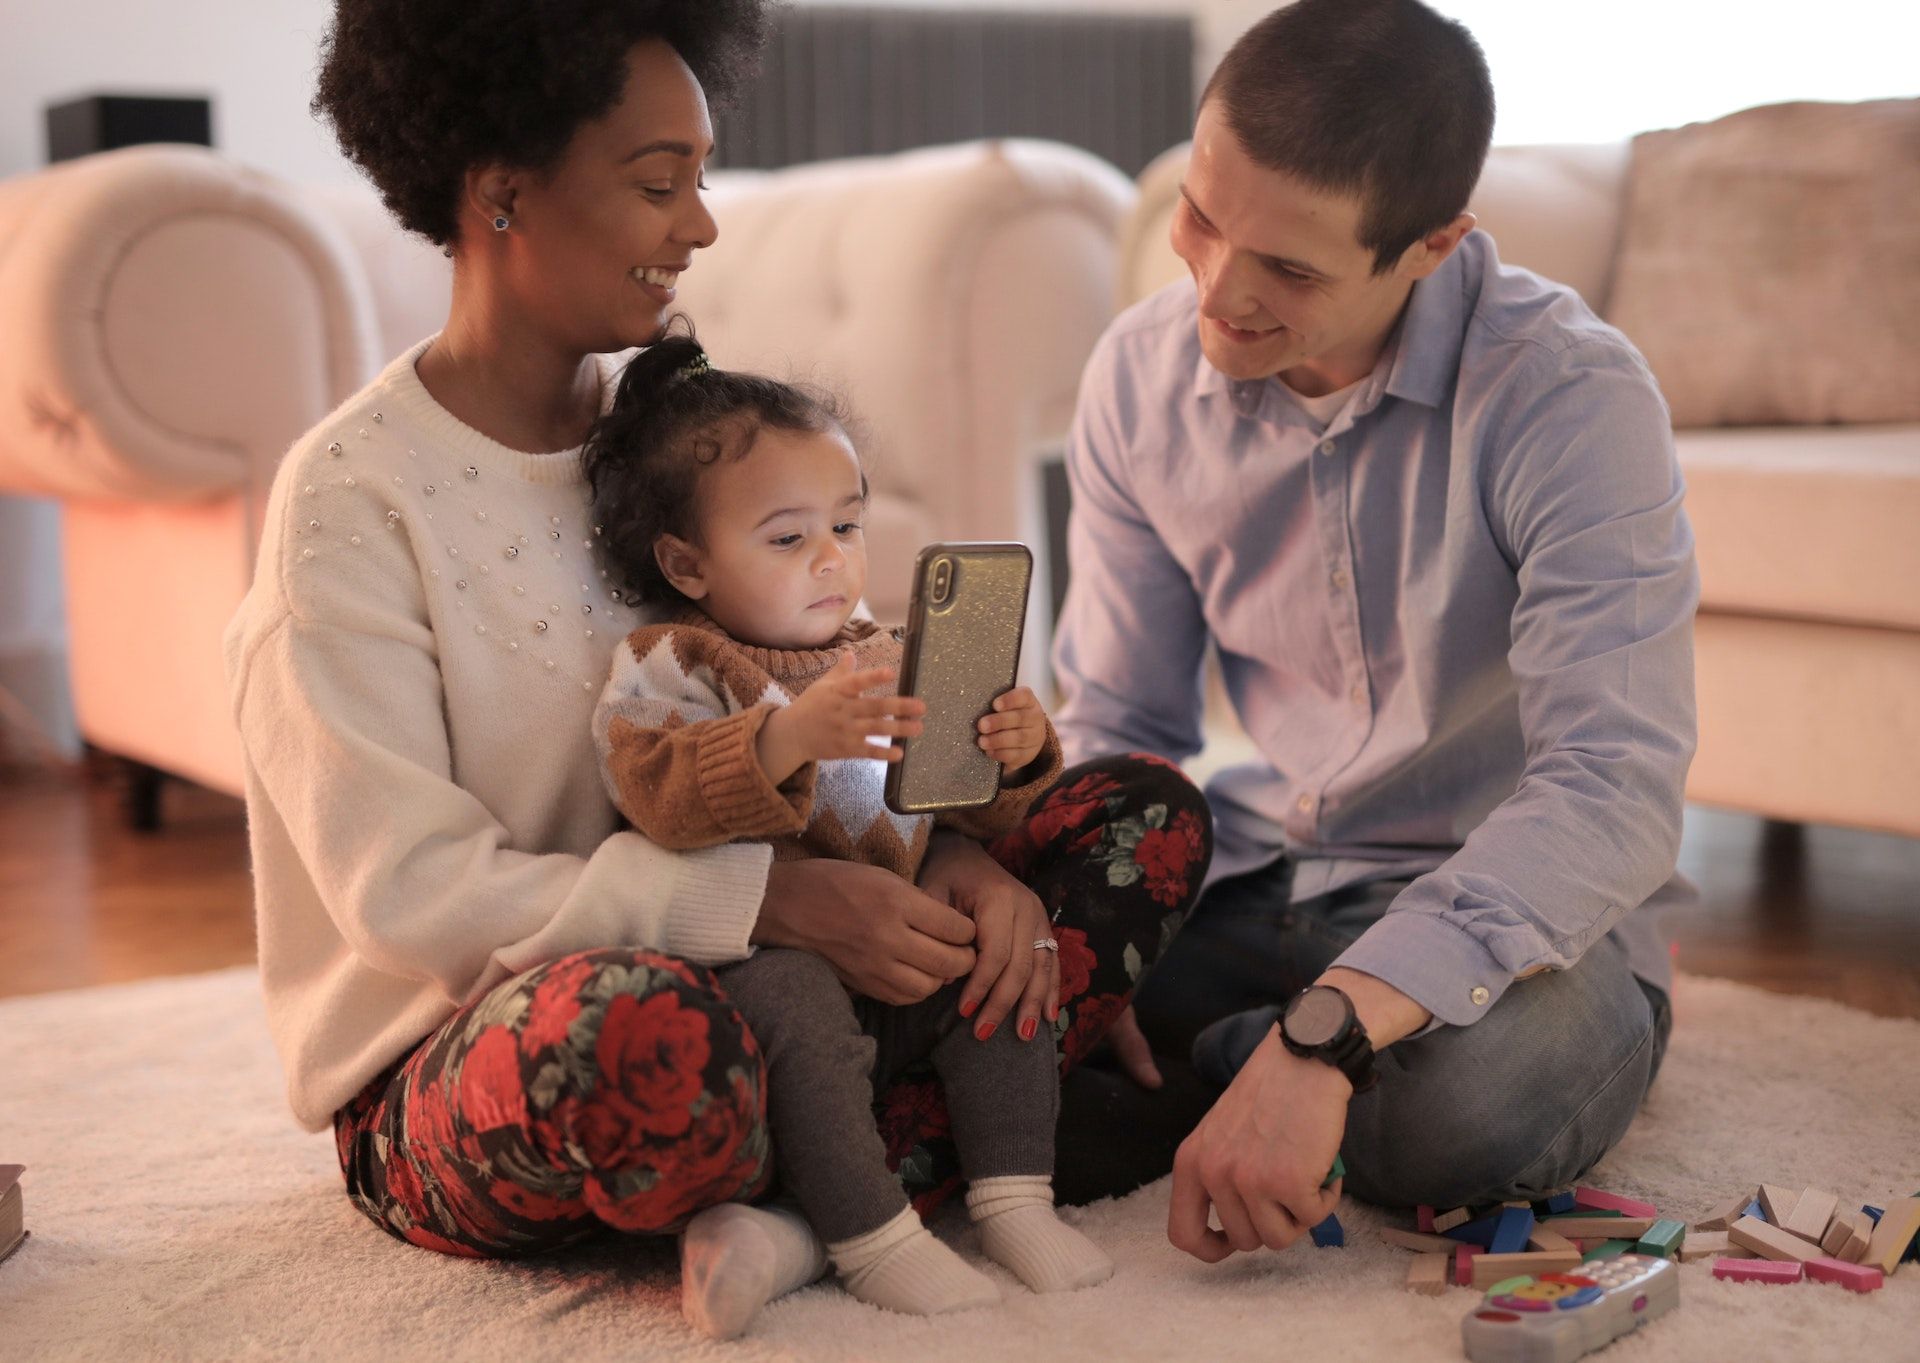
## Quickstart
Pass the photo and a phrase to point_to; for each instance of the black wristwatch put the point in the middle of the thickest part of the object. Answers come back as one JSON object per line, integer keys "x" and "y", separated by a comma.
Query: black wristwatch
{"x": 1320, "y": 1024}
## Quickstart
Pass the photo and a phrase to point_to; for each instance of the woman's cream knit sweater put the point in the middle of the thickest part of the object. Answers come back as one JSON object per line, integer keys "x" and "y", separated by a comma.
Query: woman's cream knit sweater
{"x": 414, "y": 674}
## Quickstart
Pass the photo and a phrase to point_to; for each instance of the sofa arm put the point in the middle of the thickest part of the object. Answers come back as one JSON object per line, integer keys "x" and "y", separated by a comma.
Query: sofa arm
{"x": 169, "y": 324}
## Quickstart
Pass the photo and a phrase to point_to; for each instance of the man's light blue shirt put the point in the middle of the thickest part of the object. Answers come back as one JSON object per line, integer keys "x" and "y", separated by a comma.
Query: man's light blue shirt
{"x": 1456, "y": 624}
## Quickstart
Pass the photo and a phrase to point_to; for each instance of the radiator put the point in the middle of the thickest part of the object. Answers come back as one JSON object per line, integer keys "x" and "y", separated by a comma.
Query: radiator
{"x": 858, "y": 81}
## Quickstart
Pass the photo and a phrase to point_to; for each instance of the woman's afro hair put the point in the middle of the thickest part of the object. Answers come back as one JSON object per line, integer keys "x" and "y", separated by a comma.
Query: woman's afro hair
{"x": 420, "y": 91}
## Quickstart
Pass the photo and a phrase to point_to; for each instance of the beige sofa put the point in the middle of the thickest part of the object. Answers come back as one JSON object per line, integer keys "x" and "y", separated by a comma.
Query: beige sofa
{"x": 170, "y": 321}
{"x": 1808, "y": 637}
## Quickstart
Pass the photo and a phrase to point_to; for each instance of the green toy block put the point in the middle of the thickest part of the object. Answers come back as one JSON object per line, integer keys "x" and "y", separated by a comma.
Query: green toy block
{"x": 1612, "y": 1249}
{"x": 1580, "y": 1215}
{"x": 1339, "y": 1170}
{"x": 1663, "y": 1238}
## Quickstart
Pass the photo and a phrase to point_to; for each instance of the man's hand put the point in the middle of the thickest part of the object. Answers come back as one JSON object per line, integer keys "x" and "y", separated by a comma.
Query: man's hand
{"x": 1259, "y": 1157}
{"x": 1008, "y": 918}
{"x": 1130, "y": 1047}
{"x": 1016, "y": 731}
{"x": 834, "y": 718}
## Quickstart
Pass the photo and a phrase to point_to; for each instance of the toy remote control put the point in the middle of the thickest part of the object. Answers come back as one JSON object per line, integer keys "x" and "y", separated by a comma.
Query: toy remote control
{"x": 1557, "y": 1317}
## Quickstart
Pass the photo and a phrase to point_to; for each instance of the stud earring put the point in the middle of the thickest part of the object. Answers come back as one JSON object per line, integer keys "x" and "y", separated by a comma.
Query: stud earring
{"x": 500, "y": 223}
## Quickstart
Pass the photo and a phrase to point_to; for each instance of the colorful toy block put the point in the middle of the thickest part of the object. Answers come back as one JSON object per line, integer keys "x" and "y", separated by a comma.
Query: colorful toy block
{"x": 1663, "y": 1238}
{"x": 1446, "y": 1221}
{"x": 1770, "y": 1242}
{"x": 1511, "y": 1230}
{"x": 1329, "y": 1234}
{"x": 1606, "y": 1249}
{"x": 1754, "y": 1209}
{"x": 1463, "y": 1257}
{"x": 1811, "y": 1215}
{"x": 1893, "y": 1233}
{"x": 1758, "y": 1271}
{"x": 1725, "y": 1214}
{"x": 1489, "y": 1269}
{"x": 1478, "y": 1232}
{"x": 1854, "y": 1277}
{"x": 1427, "y": 1275}
{"x": 1423, "y": 1219}
{"x": 1594, "y": 1199}
{"x": 1559, "y": 1202}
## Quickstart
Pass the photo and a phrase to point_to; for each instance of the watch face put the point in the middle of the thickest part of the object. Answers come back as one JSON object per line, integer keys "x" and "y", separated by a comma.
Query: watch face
{"x": 1316, "y": 1017}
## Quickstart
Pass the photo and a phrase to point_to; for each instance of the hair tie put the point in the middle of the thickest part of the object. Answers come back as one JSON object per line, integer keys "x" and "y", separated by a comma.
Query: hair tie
{"x": 697, "y": 365}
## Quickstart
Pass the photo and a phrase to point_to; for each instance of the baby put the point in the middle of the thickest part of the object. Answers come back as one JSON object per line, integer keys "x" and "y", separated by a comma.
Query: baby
{"x": 733, "y": 504}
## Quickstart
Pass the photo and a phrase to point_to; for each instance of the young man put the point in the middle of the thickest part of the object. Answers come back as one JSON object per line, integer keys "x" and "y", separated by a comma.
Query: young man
{"x": 1426, "y": 509}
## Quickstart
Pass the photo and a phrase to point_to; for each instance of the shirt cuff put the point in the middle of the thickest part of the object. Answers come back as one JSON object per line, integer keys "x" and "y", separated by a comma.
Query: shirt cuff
{"x": 1432, "y": 962}
{"x": 716, "y": 901}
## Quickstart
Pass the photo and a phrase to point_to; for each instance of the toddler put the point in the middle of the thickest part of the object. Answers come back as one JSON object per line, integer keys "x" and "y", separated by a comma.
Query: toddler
{"x": 733, "y": 504}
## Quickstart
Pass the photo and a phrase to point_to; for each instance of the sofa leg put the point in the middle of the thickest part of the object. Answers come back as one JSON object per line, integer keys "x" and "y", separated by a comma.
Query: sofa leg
{"x": 144, "y": 784}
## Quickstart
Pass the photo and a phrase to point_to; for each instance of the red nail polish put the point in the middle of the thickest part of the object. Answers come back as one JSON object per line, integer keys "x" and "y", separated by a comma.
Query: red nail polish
{"x": 968, "y": 1007}
{"x": 983, "y": 1031}
{"x": 1028, "y": 1028}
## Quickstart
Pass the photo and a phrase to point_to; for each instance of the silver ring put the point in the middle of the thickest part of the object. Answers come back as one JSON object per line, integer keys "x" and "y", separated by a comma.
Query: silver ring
{"x": 1046, "y": 944}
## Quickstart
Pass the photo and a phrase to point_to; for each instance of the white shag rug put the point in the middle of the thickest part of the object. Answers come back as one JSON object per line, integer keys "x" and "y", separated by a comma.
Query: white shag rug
{"x": 177, "y": 1213}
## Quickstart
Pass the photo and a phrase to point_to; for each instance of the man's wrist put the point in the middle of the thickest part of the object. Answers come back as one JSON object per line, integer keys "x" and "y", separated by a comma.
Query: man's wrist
{"x": 1384, "y": 1013}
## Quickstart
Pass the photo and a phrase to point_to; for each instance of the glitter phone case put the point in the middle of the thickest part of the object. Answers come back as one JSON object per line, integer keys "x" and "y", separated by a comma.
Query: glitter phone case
{"x": 964, "y": 630}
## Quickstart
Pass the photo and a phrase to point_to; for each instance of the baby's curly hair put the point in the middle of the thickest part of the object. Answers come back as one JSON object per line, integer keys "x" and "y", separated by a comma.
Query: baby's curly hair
{"x": 421, "y": 91}
{"x": 674, "y": 415}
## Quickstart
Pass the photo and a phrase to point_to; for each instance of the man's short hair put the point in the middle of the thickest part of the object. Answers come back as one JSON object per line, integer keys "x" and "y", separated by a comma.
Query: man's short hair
{"x": 1383, "y": 100}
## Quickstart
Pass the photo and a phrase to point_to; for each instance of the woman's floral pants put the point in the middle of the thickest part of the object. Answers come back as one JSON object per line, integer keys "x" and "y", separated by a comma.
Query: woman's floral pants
{"x": 620, "y": 1087}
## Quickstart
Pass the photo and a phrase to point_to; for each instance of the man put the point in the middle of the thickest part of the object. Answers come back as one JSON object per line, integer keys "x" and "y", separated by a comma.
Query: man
{"x": 1425, "y": 509}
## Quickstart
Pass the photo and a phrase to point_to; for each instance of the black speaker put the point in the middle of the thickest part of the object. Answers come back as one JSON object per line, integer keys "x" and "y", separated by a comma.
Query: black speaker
{"x": 81, "y": 127}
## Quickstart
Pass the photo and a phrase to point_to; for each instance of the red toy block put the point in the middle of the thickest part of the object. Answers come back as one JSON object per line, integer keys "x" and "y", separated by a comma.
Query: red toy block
{"x": 1595, "y": 1200}
{"x": 1425, "y": 1215}
{"x": 1758, "y": 1270}
{"x": 1463, "y": 1257}
{"x": 1858, "y": 1277}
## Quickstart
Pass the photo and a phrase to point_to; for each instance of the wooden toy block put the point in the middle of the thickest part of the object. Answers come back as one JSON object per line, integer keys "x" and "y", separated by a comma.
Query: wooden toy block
{"x": 1546, "y": 1238}
{"x": 1446, "y": 1221}
{"x": 1424, "y": 1244}
{"x": 1859, "y": 1235}
{"x": 1423, "y": 1219}
{"x": 1855, "y": 1277}
{"x": 1839, "y": 1235}
{"x": 1463, "y": 1257}
{"x": 1725, "y": 1214}
{"x": 1663, "y": 1238}
{"x": 1527, "y": 1205}
{"x": 1770, "y": 1242}
{"x": 1478, "y": 1232}
{"x": 1427, "y": 1275}
{"x": 1892, "y": 1234}
{"x": 1489, "y": 1269}
{"x": 1511, "y": 1231}
{"x": 1559, "y": 1202}
{"x": 1739, "y": 1252}
{"x": 1593, "y": 1199}
{"x": 1810, "y": 1215}
{"x": 1704, "y": 1244}
{"x": 1602, "y": 1227}
{"x": 1758, "y": 1271}
{"x": 1329, "y": 1234}
{"x": 1606, "y": 1249}
{"x": 1776, "y": 1204}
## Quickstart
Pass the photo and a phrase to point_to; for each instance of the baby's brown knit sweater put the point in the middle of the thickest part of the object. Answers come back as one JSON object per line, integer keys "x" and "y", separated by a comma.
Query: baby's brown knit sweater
{"x": 676, "y": 729}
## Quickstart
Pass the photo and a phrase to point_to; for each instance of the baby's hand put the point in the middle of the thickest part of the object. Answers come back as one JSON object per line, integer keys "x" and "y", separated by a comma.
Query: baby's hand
{"x": 1017, "y": 730}
{"x": 834, "y": 717}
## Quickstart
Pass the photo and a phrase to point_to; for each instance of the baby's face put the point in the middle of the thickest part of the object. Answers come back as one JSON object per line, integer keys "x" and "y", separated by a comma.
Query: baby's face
{"x": 782, "y": 553}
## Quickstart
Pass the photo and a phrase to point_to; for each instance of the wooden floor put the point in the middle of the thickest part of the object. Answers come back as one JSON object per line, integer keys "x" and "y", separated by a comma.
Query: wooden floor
{"x": 84, "y": 901}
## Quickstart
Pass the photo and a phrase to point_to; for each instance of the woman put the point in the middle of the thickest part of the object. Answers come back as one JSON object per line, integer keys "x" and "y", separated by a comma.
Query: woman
{"x": 499, "y": 999}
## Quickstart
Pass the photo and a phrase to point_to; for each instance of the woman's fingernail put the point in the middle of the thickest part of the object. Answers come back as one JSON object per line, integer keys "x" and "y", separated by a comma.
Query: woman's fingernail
{"x": 967, "y": 1007}
{"x": 1028, "y": 1028}
{"x": 983, "y": 1031}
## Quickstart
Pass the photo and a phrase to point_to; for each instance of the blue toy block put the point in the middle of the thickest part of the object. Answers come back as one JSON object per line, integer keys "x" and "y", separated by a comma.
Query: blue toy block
{"x": 1875, "y": 1212}
{"x": 1329, "y": 1234}
{"x": 1511, "y": 1230}
{"x": 1753, "y": 1209}
{"x": 1476, "y": 1232}
{"x": 1559, "y": 1202}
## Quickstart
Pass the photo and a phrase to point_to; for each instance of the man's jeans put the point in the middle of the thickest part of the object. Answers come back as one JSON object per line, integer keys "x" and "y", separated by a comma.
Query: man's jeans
{"x": 1519, "y": 1104}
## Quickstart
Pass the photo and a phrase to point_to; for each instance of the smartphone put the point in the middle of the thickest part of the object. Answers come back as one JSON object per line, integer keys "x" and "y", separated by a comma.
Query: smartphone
{"x": 965, "y": 624}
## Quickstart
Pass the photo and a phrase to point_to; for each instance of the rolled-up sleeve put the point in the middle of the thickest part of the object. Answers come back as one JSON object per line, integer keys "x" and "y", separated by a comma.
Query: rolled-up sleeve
{"x": 1131, "y": 636}
{"x": 1585, "y": 495}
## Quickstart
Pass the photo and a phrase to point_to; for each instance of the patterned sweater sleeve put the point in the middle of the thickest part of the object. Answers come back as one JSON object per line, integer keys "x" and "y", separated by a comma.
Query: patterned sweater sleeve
{"x": 1010, "y": 806}
{"x": 678, "y": 755}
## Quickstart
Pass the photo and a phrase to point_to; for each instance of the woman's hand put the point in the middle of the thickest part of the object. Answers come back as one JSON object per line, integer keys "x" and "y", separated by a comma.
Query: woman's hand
{"x": 1016, "y": 731}
{"x": 884, "y": 938}
{"x": 1008, "y": 919}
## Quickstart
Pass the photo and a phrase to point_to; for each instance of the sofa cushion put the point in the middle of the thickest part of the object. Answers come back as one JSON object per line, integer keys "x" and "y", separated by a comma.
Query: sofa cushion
{"x": 1770, "y": 264}
{"x": 1816, "y": 523}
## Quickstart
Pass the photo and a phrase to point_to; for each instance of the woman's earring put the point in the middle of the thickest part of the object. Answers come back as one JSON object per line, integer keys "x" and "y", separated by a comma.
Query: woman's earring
{"x": 500, "y": 223}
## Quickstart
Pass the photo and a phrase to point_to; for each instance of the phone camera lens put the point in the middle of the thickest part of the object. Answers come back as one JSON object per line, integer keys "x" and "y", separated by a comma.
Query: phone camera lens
{"x": 942, "y": 581}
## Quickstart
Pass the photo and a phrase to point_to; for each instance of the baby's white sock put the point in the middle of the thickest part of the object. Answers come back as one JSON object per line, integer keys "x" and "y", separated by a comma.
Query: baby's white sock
{"x": 1020, "y": 1231}
{"x": 734, "y": 1259}
{"x": 901, "y": 1267}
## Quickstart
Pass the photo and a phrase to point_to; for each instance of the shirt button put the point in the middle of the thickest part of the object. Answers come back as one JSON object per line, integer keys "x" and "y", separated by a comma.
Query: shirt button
{"x": 1340, "y": 577}
{"x": 1304, "y": 804}
{"x": 1479, "y": 995}
{"x": 1326, "y": 447}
